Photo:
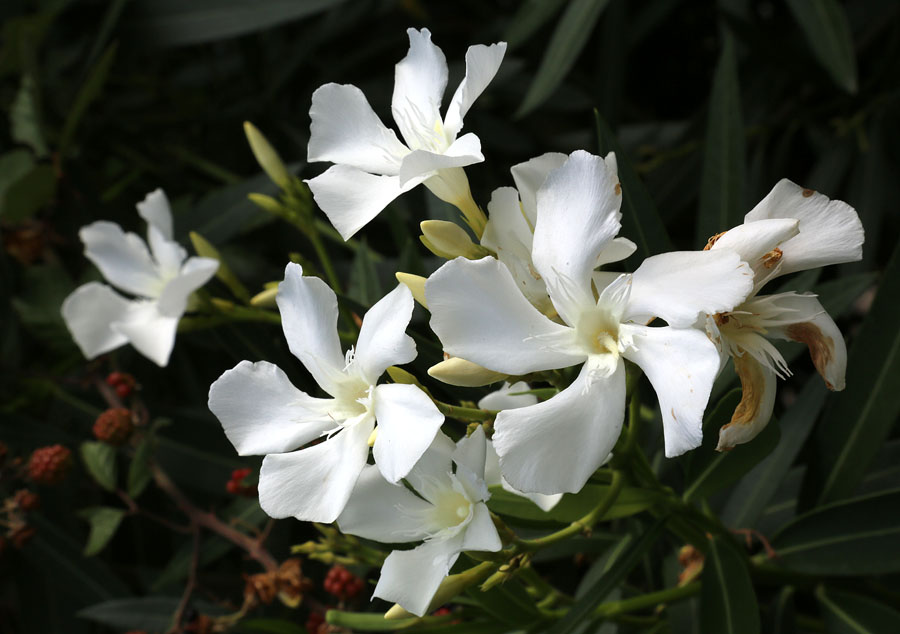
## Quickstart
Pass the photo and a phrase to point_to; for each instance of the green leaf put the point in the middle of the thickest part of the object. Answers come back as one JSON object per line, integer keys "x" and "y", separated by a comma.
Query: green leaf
{"x": 859, "y": 419}
{"x": 631, "y": 552}
{"x": 852, "y": 537}
{"x": 631, "y": 500}
{"x": 782, "y": 617}
{"x": 727, "y": 601}
{"x": 568, "y": 40}
{"x": 749, "y": 498}
{"x": 364, "y": 285}
{"x": 104, "y": 522}
{"x": 89, "y": 91}
{"x": 827, "y": 31}
{"x": 531, "y": 15}
{"x": 100, "y": 461}
{"x": 24, "y": 117}
{"x": 640, "y": 219}
{"x": 722, "y": 174}
{"x": 846, "y": 613}
{"x": 153, "y": 614}
{"x": 139, "y": 473}
{"x": 175, "y": 23}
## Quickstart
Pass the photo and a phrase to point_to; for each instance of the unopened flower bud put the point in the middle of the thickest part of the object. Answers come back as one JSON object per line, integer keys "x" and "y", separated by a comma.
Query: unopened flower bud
{"x": 266, "y": 156}
{"x": 416, "y": 285}
{"x": 449, "y": 240}
{"x": 49, "y": 465}
{"x": 265, "y": 299}
{"x": 114, "y": 426}
{"x": 462, "y": 373}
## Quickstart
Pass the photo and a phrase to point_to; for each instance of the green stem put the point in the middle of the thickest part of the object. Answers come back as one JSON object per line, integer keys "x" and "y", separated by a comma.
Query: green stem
{"x": 646, "y": 601}
{"x": 583, "y": 524}
{"x": 465, "y": 414}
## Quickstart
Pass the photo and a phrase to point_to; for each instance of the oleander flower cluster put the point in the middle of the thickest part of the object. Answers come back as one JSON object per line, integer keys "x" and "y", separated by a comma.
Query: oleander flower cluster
{"x": 533, "y": 293}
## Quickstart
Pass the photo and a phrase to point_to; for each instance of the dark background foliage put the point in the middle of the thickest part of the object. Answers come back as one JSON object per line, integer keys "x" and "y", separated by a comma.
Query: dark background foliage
{"x": 707, "y": 104}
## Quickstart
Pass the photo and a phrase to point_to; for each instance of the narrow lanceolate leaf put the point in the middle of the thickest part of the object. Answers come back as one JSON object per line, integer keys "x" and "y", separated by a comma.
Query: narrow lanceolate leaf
{"x": 568, "y": 40}
{"x": 827, "y": 32}
{"x": 88, "y": 92}
{"x": 853, "y": 537}
{"x": 859, "y": 419}
{"x": 846, "y": 613}
{"x": 722, "y": 175}
{"x": 757, "y": 488}
{"x": 727, "y": 601}
{"x": 629, "y": 556}
{"x": 640, "y": 219}
{"x": 100, "y": 461}
{"x": 104, "y": 522}
{"x": 531, "y": 15}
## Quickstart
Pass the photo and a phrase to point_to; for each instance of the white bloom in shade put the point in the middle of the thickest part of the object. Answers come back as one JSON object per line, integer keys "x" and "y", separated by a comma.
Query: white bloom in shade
{"x": 792, "y": 229}
{"x": 512, "y": 216}
{"x": 507, "y": 398}
{"x": 161, "y": 279}
{"x": 449, "y": 514}
{"x": 480, "y": 315}
{"x": 263, "y": 413}
{"x": 372, "y": 166}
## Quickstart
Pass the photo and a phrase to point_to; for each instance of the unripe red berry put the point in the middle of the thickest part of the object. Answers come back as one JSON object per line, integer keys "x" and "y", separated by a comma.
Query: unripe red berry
{"x": 49, "y": 465}
{"x": 26, "y": 500}
{"x": 233, "y": 487}
{"x": 114, "y": 426}
{"x": 239, "y": 474}
{"x": 121, "y": 382}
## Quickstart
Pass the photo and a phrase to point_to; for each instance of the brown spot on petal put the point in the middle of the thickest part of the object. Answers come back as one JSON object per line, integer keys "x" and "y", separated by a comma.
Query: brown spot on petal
{"x": 808, "y": 192}
{"x": 721, "y": 318}
{"x": 753, "y": 383}
{"x": 712, "y": 240}
{"x": 772, "y": 258}
{"x": 672, "y": 410}
{"x": 618, "y": 189}
{"x": 821, "y": 348}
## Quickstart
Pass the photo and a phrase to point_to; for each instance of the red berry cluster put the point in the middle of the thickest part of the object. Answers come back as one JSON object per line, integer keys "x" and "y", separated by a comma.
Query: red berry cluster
{"x": 26, "y": 500}
{"x": 122, "y": 382}
{"x": 49, "y": 465}
{"x": 237, "y": 486}
{"x": 342, "y": 583}
{"x": 114, "y": 426}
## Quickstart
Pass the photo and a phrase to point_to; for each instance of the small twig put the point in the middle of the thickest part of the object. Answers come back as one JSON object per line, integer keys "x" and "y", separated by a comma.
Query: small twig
{"x": 191, "y": 584}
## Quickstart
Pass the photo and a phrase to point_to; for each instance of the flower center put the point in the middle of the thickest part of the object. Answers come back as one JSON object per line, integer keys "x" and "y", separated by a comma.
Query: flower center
{"x": 452, "y": 508}
{"x": 598, "y": 332}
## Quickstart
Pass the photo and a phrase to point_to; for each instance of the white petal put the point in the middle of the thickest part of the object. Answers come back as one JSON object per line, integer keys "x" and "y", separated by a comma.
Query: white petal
{"x": 615, "y": 250}
{"x": 435, "y": 463}
{"x": 262, "y": 412}
{"x": 681, "y": 364}
{"x": 195, "y": 273}
{"x": 168, "y": 254}
{"x": 814, "y": 327}
{"x": 506, "y": 397}
{"x": 314, "y": 484}
{"x": 757, "y": 402}
{"x": 830, "y": 230}
{"x": 541, "y": 500}
{"x": 407, "y": 423}
{"x": 678, "y": 286}
{"x": 383, "y": 511}
{"x": 419, "y": 82}
{"x": 88, "y": 312}
{"x": 555, "y": 446}
{"x": 481, "y": 534}
{"x": 482, "y": 63}
{"x": 411, "y": 577}
{"x": 309, "y": 314}
{"x": 493, "y": 477}
{"x": 471, "y": 452}
{"x": 479, "y": 314}
{"x": 530, "y": 175}
{"x": 122, "y": 257}
{"x": 465, "y": 151}
{"x": 155, "y": 209}
{"x": 149, "y": 331}
{"x": 578, "y": 214}
{"x": 753, "y": 240}
{"x": 382, "y": 338}
{"x": 351, "y": 198}
{"x": 345, "y": 130}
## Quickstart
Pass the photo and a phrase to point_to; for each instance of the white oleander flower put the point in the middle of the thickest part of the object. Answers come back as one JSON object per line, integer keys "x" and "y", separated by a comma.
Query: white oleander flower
{"x": 791, "y": 229}
{"x": 161, "y": 280}
{"x": 372, "y": 167}
{"x": 447, "y": 512}
{"x": 508, "y": 398}
{"x": 512, "y": 215}
{"x": 479, "y": 314}
{"x": 263, "y": 413}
